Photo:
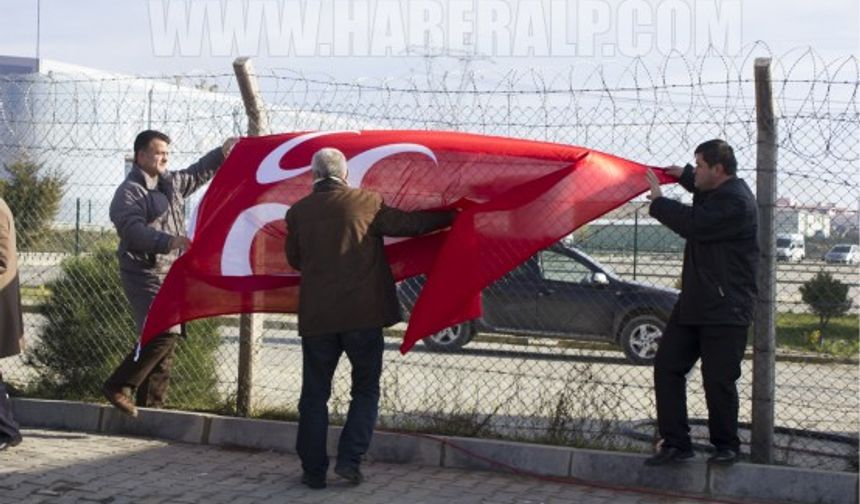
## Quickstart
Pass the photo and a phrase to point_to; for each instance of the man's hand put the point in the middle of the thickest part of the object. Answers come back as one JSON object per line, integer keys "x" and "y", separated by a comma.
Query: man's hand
{"x": 228, "y": 145}
{"x": 675, "y": 170}
{"x": 179, "y": 242}
{"x": 655, "y": 185}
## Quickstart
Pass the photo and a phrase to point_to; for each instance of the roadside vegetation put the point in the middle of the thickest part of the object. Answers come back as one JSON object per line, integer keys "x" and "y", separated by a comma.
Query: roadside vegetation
{"x": 801, "y": 331}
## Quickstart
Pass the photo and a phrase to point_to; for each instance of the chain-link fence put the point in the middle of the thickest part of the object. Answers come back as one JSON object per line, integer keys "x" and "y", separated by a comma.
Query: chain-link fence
{"x": 558, "y": 355}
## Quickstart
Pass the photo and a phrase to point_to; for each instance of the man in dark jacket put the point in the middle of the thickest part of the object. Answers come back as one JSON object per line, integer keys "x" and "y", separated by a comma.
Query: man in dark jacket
{"x": 335, "y": 238}
{"x": 715, "y": 308}
{"x": 148, "y": 211}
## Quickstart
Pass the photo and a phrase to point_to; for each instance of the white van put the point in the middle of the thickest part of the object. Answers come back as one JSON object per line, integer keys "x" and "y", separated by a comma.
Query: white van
{"x": 790, "y": 247}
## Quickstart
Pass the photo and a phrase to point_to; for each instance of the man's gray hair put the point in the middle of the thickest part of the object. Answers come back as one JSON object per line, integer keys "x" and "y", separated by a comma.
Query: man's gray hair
{"x": 328, "y": 163}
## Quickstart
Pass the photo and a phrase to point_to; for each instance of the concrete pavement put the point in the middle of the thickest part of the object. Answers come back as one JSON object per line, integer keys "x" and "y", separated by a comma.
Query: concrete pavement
{"x": 197, "y": 457}
{"x": 62, "y": 467}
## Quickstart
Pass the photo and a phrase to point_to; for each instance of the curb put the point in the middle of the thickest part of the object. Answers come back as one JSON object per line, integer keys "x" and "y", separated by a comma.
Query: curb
{"x": 747, "y": 481}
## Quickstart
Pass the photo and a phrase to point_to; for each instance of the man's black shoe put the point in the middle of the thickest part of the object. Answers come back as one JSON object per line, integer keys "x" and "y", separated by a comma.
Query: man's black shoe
{"x": 312, "y": 482}
{"x": 723, "y": 457}
{"x": 669, "y": 455}
{"x": 351, "y": 474}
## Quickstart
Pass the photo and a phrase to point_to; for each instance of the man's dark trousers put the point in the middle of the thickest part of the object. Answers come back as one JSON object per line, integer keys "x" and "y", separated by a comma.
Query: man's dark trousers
{"x": 150, "y": 375}
{"x": 721, "y": 348}
{"x": 8, "y": 426}
{"x": 320, "y": 355}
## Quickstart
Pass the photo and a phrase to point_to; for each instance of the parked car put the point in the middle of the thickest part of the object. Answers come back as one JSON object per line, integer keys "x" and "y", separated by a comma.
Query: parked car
{"x": 844, "y": 253}
{"x": 790, "y": 247}
{"x": 562, "y": 293}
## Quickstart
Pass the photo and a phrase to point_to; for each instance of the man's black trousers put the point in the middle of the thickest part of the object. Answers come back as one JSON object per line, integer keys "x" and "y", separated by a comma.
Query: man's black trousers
{"x": 721, "y": 348}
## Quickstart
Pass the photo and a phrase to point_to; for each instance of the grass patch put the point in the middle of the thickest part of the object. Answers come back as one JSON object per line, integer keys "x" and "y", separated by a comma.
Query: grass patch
{"x": 800, "y": 331}
{"x": 71, "y": 241}
{"x": 280, "y": 414}
{"x": 33, "y": 295}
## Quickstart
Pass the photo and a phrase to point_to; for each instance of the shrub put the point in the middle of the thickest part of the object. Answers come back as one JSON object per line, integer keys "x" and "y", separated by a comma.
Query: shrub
{"x": 89, "y": 330}
{"x": 827, "y": 297}
{"x": 34, "y": 197}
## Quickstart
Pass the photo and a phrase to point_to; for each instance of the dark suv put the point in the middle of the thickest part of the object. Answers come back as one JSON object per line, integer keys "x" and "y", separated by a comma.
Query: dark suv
{"x": 562, "y": 293}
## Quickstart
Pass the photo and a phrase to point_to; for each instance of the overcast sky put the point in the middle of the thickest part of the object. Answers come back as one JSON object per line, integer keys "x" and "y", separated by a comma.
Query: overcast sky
{"x": 176, "y": 36}
{"x": 371, "y": 38}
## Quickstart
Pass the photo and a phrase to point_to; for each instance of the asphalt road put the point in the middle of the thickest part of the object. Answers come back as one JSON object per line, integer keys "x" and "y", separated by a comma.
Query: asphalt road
{"x": 38, "y": 270}
{"x": 789, "y": 276}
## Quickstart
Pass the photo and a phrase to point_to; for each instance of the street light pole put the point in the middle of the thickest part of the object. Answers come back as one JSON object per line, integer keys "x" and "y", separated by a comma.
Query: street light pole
{"x": 38, "y": 27}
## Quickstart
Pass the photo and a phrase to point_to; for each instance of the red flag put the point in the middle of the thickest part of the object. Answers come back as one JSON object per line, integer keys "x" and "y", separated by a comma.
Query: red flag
{"x": 520, "y": 196}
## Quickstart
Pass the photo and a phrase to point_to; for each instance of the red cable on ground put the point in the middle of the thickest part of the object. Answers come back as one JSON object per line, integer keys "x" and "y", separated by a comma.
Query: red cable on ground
{"x": 570, "y": 480}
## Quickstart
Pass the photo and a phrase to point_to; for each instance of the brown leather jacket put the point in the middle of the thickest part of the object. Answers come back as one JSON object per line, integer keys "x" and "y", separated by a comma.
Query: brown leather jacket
{"x": 335, "y": 238}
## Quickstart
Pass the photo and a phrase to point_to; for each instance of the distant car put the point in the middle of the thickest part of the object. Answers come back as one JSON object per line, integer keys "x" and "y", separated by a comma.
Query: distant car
{"x": 843, "y": 253}
{"x": 562, "y": 293}
{"x": 790, "y": 247}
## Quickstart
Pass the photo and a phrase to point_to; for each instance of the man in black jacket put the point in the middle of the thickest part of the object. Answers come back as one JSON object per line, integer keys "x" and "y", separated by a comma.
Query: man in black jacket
{"x": 715, "y": 308}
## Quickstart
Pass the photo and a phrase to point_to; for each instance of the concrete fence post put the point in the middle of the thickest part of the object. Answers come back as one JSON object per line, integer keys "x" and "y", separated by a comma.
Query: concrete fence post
{"x": 764, "y": 343}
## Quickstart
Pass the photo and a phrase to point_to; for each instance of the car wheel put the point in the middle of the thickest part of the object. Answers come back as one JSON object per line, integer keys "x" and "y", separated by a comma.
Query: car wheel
{"x": 640, "y": 338}
{"x": 450, "y": 339}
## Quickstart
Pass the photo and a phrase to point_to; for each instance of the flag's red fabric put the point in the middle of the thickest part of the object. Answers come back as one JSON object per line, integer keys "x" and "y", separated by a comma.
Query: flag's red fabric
{"x": 517, "y": 197}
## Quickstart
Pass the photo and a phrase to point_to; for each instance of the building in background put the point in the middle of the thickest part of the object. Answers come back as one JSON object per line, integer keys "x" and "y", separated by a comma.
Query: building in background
{"x": 82, "y": 122}
{"x": 845, "y": 224}
{"x": 807, "y": 220}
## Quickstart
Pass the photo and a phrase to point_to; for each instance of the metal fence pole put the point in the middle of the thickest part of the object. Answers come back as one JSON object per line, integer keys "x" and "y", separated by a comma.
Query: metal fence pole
{"x": 77, "y": 227}
{"x": 764, "y": 356}
{"x": 635, "y": 240}
{"x": 250, "y": 325}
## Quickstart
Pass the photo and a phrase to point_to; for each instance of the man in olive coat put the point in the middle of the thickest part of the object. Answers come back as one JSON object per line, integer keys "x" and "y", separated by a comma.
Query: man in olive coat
{"x": 148, "y": 211}
{"x": 11, "y": 319}
{"x": 335, "y": 238}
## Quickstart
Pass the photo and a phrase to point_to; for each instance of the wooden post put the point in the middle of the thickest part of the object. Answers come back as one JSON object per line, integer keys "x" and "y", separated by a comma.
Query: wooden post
{"x": 258, "y": 122}
{"x": 764, "y": 355}
{"x": 250, "y": 325}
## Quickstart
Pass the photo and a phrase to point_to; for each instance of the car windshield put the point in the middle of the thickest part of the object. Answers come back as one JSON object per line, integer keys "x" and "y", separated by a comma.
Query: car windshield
{"x": 841, "y": 249}
{"x": 560, "y": 267}
{"x": 783, "y": 242}
{"x": 573, "y": 252}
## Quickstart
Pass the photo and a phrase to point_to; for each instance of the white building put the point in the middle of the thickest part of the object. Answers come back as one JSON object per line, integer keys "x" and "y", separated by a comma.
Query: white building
{"x": 806, "y": 220}
{"x": 82, "y": 122}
